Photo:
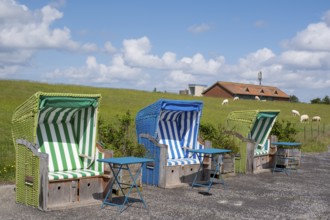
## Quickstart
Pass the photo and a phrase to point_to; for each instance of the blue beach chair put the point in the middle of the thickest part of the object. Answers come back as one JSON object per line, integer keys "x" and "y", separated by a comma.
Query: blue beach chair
{"x": 167, "y": 128}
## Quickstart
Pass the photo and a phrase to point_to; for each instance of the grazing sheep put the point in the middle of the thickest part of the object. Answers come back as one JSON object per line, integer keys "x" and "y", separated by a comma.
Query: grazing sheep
{"x": 304, "y": 118}
{"x": 295, "y": 113}
{"x": 225, "y": 102}
{"x": 257, "y": 98}
{"x": 316, "y": 118}
{"x": 236, "y": 98}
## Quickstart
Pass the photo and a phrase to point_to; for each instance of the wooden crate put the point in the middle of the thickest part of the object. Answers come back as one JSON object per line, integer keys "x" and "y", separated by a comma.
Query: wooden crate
{"x": 261, "y": 163}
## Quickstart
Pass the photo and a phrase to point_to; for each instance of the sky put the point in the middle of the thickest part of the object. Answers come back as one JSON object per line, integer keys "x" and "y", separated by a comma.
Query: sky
{"x": 167, "y": 45}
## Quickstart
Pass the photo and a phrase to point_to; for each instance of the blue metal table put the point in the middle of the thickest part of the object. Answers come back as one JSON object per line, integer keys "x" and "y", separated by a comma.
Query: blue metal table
{"x": 116, "y": 165}
{"x": 209, "y": 153}
{"x": 285, "y": 145}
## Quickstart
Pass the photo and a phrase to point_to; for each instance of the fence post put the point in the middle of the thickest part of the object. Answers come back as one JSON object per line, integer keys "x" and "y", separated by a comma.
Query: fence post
{"x": 311, "y": 131}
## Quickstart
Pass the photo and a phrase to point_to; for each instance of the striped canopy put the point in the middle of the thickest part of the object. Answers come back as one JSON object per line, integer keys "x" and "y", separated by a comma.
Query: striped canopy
{"x": 255, "y": 125}
{"x": 64, "y": 127}
{"x": 173, "y": 123}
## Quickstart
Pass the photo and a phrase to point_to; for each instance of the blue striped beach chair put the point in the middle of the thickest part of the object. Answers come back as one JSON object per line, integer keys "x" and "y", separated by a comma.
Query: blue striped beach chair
{"x": 252, "y": 128}
{"x": 167, "y": 128}
{"x": 56, "y": 151}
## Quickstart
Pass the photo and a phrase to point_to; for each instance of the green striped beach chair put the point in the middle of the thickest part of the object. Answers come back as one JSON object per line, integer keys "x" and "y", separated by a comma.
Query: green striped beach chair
{"x": 252, "y": 129}
{"x": 56, "y": 151}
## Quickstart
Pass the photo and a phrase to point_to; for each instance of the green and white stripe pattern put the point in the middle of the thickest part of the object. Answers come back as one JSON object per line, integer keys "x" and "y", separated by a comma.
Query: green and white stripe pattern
{"x": 260, "y": 132}
{"x": 64, "y": 134}
{"x": 85, "y": 127}
{"x": 264, "y": 150}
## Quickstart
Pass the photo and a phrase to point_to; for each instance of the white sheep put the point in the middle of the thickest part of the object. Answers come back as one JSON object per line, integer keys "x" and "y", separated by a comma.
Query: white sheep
{"x": 295, "y": 113}
{"x": 316, "y": 118}
{"x": 304, "y": 118}
{"x": 236, "y": 98}
{"x": 257, "y": 98}
{"x": 225, "y": 102}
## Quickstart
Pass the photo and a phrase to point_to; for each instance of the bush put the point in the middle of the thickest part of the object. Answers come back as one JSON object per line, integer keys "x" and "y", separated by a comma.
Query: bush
{"x": 120, "y": 136}
{"x": 218, "y": 137}
{"x": 285, "y": 131}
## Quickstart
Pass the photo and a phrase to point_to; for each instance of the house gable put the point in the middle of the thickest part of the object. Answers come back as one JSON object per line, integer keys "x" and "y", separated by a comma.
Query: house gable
{"x": 245, "y": 91}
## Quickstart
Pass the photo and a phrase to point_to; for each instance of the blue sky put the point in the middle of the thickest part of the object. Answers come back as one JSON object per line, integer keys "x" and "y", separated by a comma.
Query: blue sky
{"x": 168, "y": 44}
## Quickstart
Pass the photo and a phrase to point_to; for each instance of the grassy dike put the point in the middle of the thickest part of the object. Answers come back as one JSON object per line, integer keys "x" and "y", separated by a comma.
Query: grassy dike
{"x": 118, "y": 101}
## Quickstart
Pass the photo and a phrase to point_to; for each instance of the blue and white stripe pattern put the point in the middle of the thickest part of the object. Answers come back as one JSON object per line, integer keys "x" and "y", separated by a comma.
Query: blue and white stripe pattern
{"x": 179, "y": 130}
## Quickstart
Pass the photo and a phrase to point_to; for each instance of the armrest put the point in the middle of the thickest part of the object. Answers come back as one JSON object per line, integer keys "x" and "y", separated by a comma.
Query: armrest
{"x": 33, "y": 147}
{"x": 38, "y": 179}
{"x": 153, "y": 140}
{"x": 159, "y": 153}
{"x": 239, "y": 136}
{"x": 106, "y": 154}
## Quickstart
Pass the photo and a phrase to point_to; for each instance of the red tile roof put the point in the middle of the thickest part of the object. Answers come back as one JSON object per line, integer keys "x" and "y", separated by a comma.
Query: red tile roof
{"x": 250, "y": 89}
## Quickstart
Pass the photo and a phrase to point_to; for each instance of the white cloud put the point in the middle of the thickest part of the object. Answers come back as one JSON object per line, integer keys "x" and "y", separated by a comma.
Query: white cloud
{"x": 89, "y": 47}
{"x": 94, "y": 72}
{"x": 180, "y": 77}
{"x": 305, "y": 59}
{"x": 304, "y": 63}
{"x": 260, "y": 24}
{"x": 24, "y": 32}
{"x": 200, "y": 28}
{"x": 24, "y": 29}
{"x": 326, "y": 18}
{"x": 136, "y": 52}
{"x": 109, "y": 48}
{"x": 198, "y": 65}
{"x": 316, "y": 37}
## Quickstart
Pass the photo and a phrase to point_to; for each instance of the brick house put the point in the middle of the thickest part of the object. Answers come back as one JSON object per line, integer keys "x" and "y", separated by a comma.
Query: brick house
{"x": 245, "y": 91}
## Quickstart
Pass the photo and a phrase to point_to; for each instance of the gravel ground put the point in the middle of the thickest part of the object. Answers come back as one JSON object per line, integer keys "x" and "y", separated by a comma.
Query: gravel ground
{"x": 301, "y": 195}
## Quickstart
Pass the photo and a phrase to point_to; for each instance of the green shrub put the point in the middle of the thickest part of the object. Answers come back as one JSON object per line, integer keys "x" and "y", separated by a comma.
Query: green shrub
{"x": 120, "y": 136}
{"x": 285, "y": 131}
{"x": 218, "y": 136}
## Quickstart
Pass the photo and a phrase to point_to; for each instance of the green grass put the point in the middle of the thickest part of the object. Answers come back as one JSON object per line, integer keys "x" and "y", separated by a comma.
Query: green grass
{"x": 118, "y": 101}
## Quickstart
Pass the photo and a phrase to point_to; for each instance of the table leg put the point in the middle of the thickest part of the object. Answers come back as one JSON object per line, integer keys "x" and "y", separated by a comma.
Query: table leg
{"x": 135, "y": 185}
{"x": 115, "y": 180}
{"x": 217, "y": 169}
{"x": 195, "y": 178}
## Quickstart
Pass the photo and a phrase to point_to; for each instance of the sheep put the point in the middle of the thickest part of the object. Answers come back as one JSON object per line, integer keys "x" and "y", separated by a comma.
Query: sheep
{"x": 257, "y": 98}
{"x": 304, "y": 118}
{"x": 236, "y": 98}
{"x": 295, "y": 113}
{"x": 225, "y": 102}
{"x": 316, "y": 118}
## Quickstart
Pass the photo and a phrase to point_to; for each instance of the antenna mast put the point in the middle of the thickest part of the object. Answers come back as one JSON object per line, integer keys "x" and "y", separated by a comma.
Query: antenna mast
{"x": 260, "y": 77}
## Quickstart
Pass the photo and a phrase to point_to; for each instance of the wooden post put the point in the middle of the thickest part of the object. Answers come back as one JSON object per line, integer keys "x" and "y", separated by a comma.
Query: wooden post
{"x": 249, "y": 157}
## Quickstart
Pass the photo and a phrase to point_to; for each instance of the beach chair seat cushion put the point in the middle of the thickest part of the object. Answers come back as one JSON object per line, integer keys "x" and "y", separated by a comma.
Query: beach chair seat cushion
{"x": 183, "y": 161}
{"x": 72, "y": 174}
